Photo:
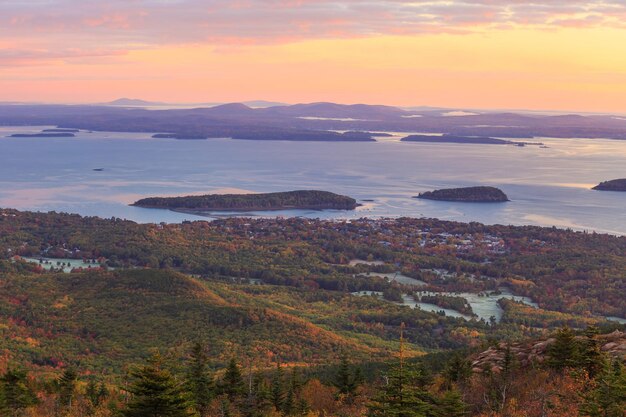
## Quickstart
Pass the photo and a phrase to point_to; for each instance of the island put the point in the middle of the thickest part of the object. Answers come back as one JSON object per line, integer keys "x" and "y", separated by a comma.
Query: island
{"x": 182, "y": 136}
{"x": 60, "y": 130}
{"x": 43, "y": 135}
{"x": 275, "y": 134}
{"x": 465, "y": 139}
{"x": 612, "y": 185}
{"x": 301, "y": 199}
{"x": 467, "y": 194}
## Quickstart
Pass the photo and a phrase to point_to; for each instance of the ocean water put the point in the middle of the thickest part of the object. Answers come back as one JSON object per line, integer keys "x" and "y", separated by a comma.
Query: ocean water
{"x": 547, "y": 186}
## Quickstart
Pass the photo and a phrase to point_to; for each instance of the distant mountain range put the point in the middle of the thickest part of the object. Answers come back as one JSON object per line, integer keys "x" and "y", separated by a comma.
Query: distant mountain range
{"x": 131, "y": 102}
{"x": 261, "y": 120}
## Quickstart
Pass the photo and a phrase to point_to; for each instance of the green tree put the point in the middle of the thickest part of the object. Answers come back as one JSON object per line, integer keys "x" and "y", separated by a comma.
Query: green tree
{"x": 451, "y": 405}
{"x": 15, "y": 393}
{"x": 156, "y": 393}
{"x": 403, "y": 394}
{"x": 66, "y": 386}
{"x": 277, "y": 389}
{"x": 608, "y": 397}
{"x": 232, "y": 383}
{"x": 591, "y": 356}
{"x": 257, "y": 403}
{"x": 199, "y": 380}
{"x": 563, "y": 352}
{"x": 96, "y": 393}
{"x": 456, "y": 371}
{"x": 346, "y": 381}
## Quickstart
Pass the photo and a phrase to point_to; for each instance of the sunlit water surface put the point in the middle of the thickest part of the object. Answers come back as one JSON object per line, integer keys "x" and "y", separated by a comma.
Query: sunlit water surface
{"x": 547, "y": 186}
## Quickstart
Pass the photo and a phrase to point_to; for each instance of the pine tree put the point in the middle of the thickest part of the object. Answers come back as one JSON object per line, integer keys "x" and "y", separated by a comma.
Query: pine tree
{"x": 457, "y": 370}
{"x": 346, "y": 381}
{"x": 289, "y": 404}
{"x": 608, "y": 397}
{"x": 451, "y": 405}
{"x": 563, "y": 353}
{"x": 66, "y": 385}
{"x": 232, "y": 383}
{"x": 404, "y": 394}
{"x": 199, "y": 381}
{"x": 258, "y": 402}
{"x": 591, "y": 356}
{"x": 277, "y": 391}
{"x": 15, "y": 394}
{"x": 155, "y": 393}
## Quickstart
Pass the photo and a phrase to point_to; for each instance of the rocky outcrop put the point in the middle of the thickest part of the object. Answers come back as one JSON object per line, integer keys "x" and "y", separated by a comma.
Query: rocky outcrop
{"x": 528, "y": 353}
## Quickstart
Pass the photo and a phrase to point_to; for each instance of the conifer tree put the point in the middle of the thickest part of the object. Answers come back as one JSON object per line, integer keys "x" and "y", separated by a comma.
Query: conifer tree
{"x": 451, "y": 405}
{"x": 155, "y": 393}
{"x": 591, "y": 356}
{"x": 232, "y": 383}
{"x": 66, "y": 385}
{"x": 258, "y": 402}
{"x": 563, "y": 353}
{"x": 346, "y": 381}
{"x": 15, "y": 394}
{"x": 608, "y": 397}
{"x": 277, "y": 390}
{"x": 456, "y": 371}
{"x": 199, "y": 380}
{"x": 404, "y": 394}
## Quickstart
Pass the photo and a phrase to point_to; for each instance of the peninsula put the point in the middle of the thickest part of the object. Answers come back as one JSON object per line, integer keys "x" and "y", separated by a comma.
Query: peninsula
{"x": 467, "y": 194}
{"x": 302, "y": 199}
{"x": 612, "y": 185}
{"x": 465, "y": 139}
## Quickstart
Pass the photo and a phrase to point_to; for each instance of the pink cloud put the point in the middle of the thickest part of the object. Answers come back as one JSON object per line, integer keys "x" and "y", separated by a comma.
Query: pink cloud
{"x": 122, "y": 24}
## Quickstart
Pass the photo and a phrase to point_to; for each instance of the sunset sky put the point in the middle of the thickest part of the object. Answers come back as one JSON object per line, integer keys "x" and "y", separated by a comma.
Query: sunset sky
{"x": 560, "y": 55}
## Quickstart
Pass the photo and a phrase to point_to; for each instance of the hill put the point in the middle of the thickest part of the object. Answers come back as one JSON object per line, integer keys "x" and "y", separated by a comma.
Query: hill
{"x": 102, "y": 320}
{"x": 132, "y": 102}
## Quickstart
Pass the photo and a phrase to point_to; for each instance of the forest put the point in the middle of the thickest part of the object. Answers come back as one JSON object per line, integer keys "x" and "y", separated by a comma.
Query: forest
{"x": 259, "y": 317}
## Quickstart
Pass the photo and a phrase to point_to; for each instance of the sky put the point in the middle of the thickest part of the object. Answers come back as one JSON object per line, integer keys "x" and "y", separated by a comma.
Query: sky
{"x": 548, "y": 55}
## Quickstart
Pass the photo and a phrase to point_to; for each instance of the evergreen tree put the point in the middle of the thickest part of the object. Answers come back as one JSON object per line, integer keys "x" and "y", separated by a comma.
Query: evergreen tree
{"x": 591, "y": 356}
{"x": 91, "y": 392}
{"x": 451, "y": 405}
{"x": 103, "y": 392}
{"x": 277, "y": 391}
{"x": 289, "y": 404}
{"x": 66, "y": 385}
{"x": 15, "y": 394}
{"x": 346, "y": 381}
{"x": 303, "y": 407}
{"x": 403, "y": 394}
{"x": 258, "y": 402}
{"x": 457, "y": 370}
{"x": 608, "y": 397}
{"x": 155, "y": 393}
{"x": 232, "y": 383}
{"x": 199, "y": 381}
{"x": 563, "y": 353}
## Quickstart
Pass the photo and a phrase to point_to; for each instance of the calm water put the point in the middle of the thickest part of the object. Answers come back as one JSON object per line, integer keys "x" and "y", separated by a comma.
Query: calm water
{"x": 547, "y": 186}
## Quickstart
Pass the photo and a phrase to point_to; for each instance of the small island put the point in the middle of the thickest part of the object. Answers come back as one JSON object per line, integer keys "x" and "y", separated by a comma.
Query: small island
{"x": 182, "y": 136}
{"x": 43, "y": 135}
{"x": 302, "y": 199}
{"x": 467, "y": 194}
{"x": 612, "y": 185}
{"x": 474, "y": 140}
{"x": 60, "y": 130}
